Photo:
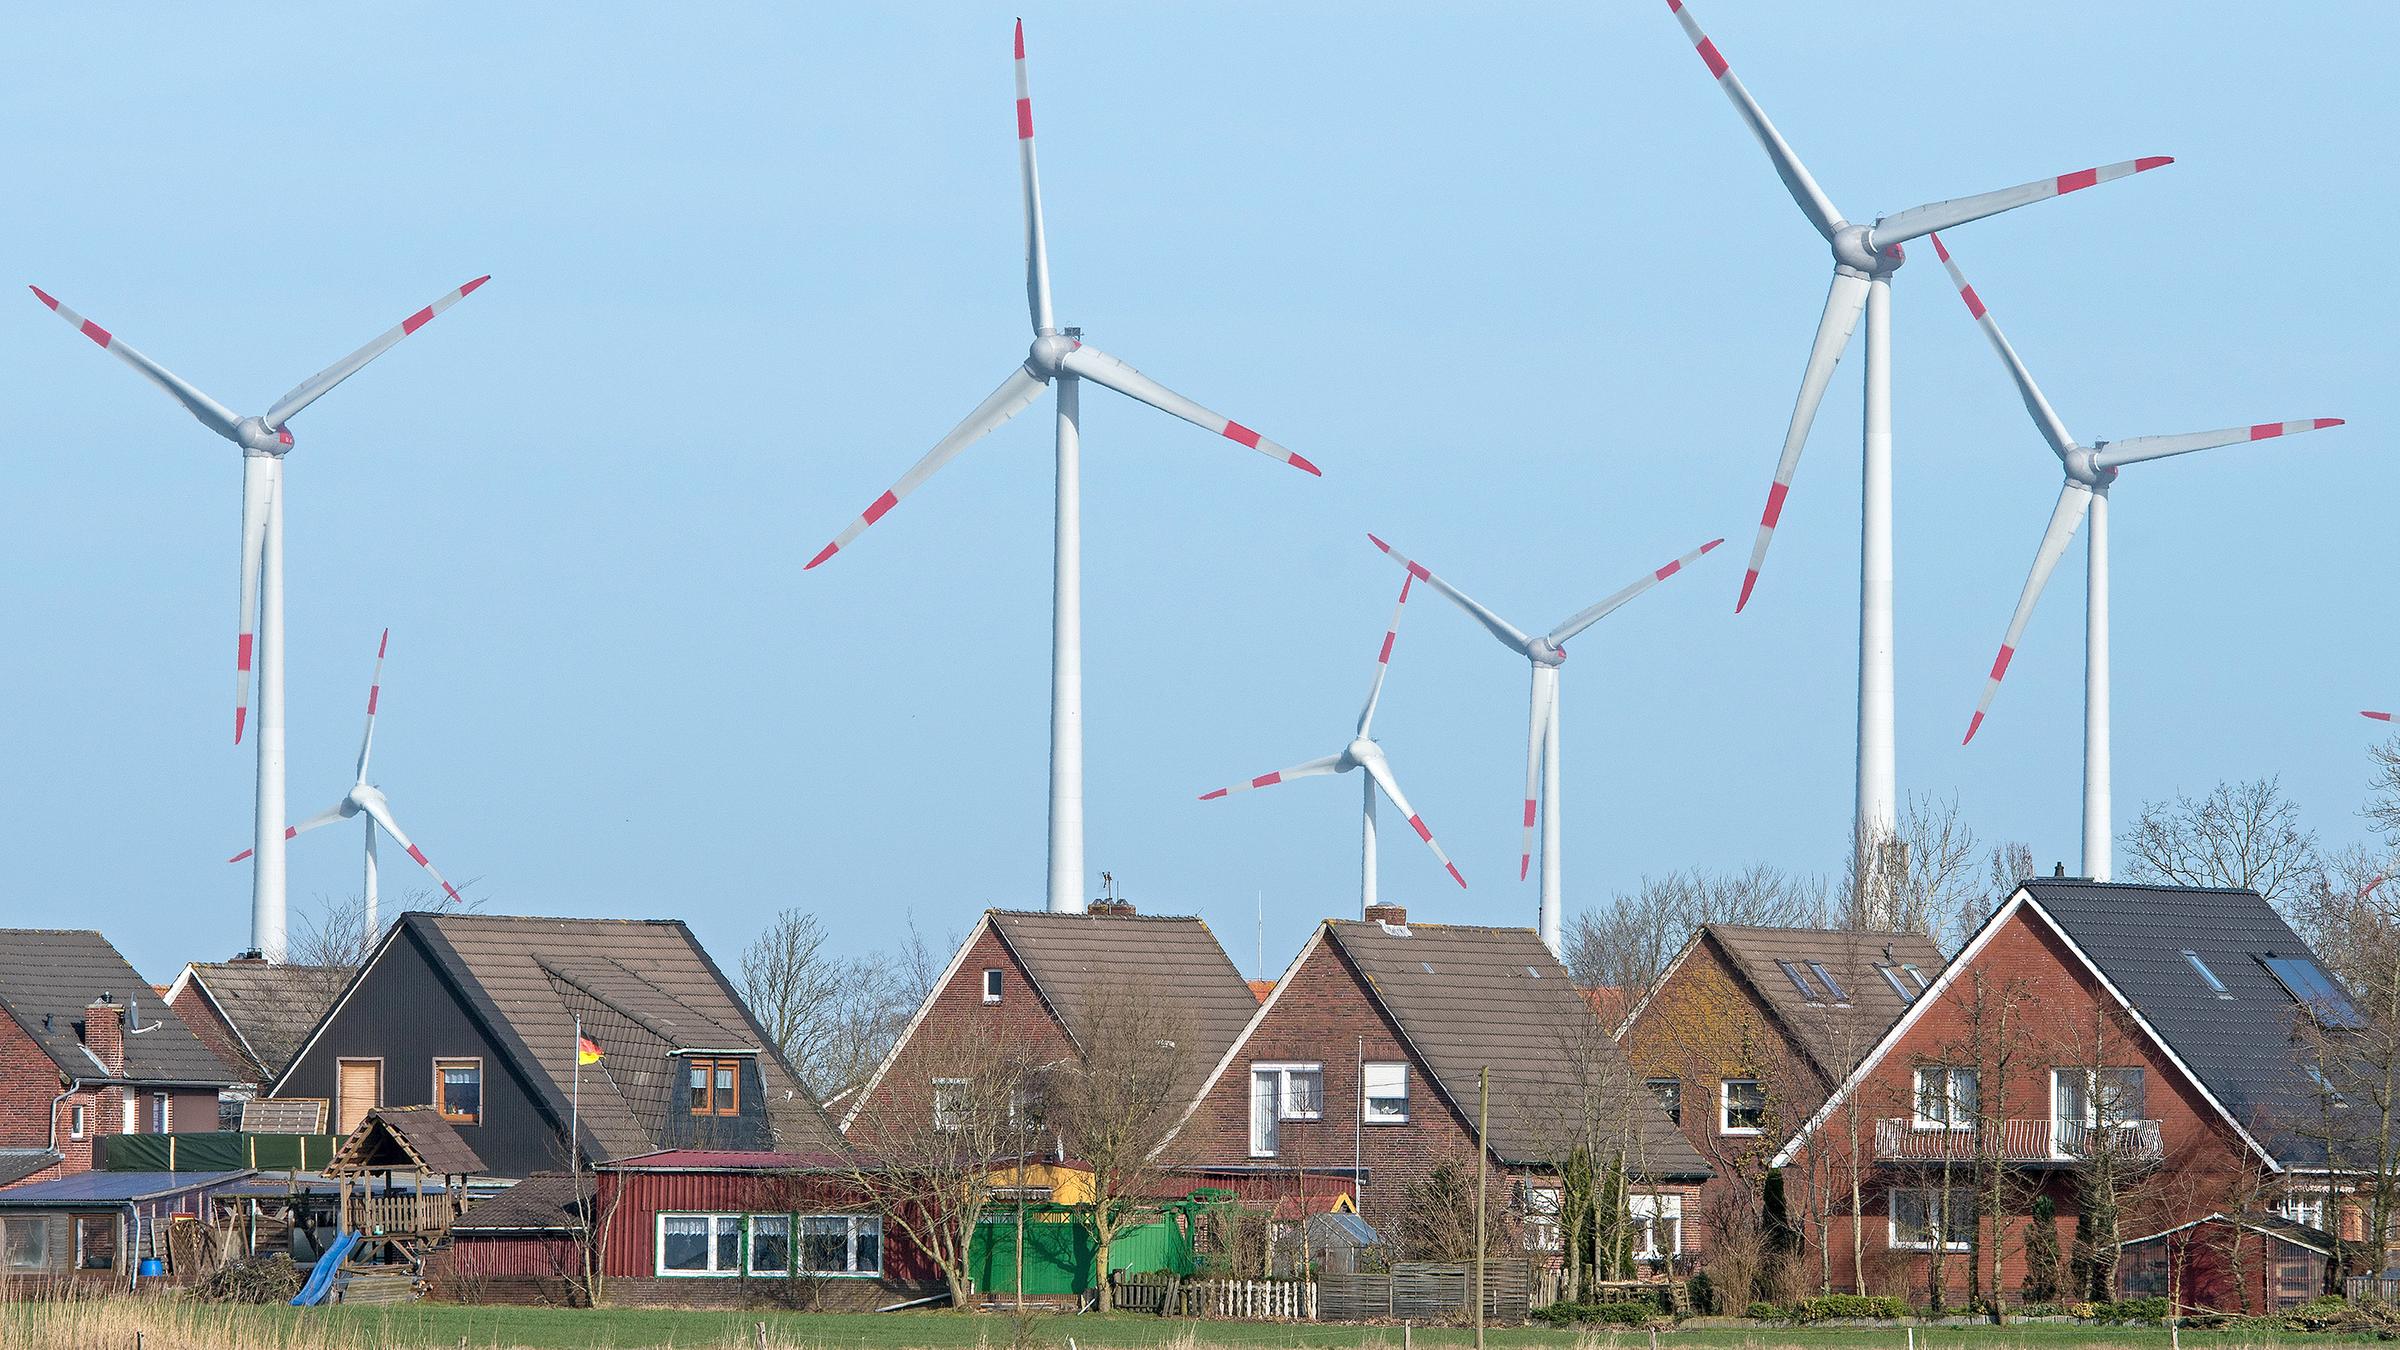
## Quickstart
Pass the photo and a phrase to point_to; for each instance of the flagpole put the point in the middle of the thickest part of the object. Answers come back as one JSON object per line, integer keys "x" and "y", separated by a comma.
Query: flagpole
{"x": 575, "y": 1107}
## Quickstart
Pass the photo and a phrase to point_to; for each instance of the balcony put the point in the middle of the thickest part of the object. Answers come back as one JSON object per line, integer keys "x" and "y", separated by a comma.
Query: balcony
{"x": 2027, "y": 1143}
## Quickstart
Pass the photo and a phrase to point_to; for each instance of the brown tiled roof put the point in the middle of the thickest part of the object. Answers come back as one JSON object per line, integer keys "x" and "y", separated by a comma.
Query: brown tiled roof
{"x": 1608, "y": 1003}
{"x": 1073, "y": 958}
{"x": 1469, "y": 998}
{"x": 272, "y": 1008}
{"x": 404, "y": 1137}
{"x": 48, "y": 975}
{"x": 644, "y": 988}
{"x": 541, "y": 1203}
{"x": 1259, "y": 989}
{"x": 1833, "y": 1033}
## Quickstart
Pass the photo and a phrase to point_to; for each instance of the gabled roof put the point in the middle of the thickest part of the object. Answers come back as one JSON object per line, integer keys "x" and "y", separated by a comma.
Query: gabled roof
{"x": 2238, "y": 1051}
{"x": 542, "y": 1203}
{"x": 2269, "y": 1225}
{"x": 1833, "y": 1035}
{"x": 644, "y": 989}
{"x": 47, "y": 976}
{"x": 270, "y": 1007}
{"x": 405, "y": 1138}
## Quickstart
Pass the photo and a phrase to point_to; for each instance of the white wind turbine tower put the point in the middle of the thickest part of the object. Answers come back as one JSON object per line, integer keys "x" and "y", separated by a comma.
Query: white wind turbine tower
{"x": 2090, "y": 470}
{"x": 1864, "y": 259}
{"x": 1545, "y": 654}
{"x": 1057, "y": 355}
{"x": 1363, "y": 753}
{"x": 264, "y": 441}
{"x": 366, "y": 799}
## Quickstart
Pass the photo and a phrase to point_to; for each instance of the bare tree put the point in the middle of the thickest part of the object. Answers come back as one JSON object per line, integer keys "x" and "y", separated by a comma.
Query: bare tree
{"x": 1628, "y": 944}
{"x": 332, "y": 939}
{"x": 2241, "y": 834}
{"x": 1113, "y": 1110}
{"x": 1916, "y": 876}
{"x": 2383, "y": 800}
{"x": 832, "y": 1017}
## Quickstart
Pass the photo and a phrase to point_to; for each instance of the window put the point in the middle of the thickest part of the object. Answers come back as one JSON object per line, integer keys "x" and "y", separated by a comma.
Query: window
{"x": 1832, "y": 985}
{"x": 95, "y": 1241}
{"x": 2306, "y": 1207}
{"x": 1669, "y": 1092}
{"x": 1919, "y": 1213}
{"x": 1657, "y": 1226}
{"x": 2207, "y": 975}
{"x": 841, "y": 1244}
{"x": 1741, "y": 1106}
{"x": 699, "y": 1244}
{"x": 991, "y": 985}
{"x": 1946, "y": 1099}
{"x": 1541, "y": 1217}
{"x": 1905, "y": 979}
{"x": 770, "y": 1244}
{"x": 2325, "y": 1088}
{"x": 1027, "y": 1104}
{"x": 161, "y": 1113}
{"x": 1386, "y": 1095}
{"x": 1281, "y": 1092}
{"x": 75, "y": 1122}
{"x": 949, "y": 1103}
{"x": 25, "y": 1244}
{"x": 2088, "y": 1105}
{"x": 458, "y": 1090}
{"x": 716, "y": 1087}
{"x": 1800, "y": 982}
{"x": 2308, "y": 984}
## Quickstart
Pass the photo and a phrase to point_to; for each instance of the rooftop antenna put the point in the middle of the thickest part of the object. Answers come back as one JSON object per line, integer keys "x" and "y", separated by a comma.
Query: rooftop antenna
{"x": 1261, "y": 967}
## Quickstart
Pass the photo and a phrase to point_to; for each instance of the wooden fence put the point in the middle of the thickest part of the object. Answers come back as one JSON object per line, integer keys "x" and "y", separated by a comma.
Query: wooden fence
{"x": 1426, "y": 1291}
{"x": 1176, "y": 1296}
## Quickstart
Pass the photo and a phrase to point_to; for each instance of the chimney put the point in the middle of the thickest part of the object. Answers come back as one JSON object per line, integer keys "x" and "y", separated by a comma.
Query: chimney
{"x": 2058, "y": 869}
{"x": 1387, "y": 913}
{"x": 104, "y": 1033}
{"x": 1110, "y": 907}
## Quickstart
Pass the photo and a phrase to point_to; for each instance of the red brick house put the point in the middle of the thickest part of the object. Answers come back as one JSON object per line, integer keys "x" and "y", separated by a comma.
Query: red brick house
{"x": 1032, "y": 982}
{"x": 1359, "y": 1075}
{"x": 87, "y": 1049}
{"x": 2090, "y": 1042}
{"x": 253, "y": 1013}
{"x": 1746, "y": 1032}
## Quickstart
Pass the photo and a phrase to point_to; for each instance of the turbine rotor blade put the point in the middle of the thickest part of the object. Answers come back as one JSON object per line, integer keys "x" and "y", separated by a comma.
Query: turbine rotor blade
{"x": 1383, "y": 659}
{"x": 1845, "y": 300}
{"x": 2378, "y": 716}
{"x": 1537, "y": 724}
{"x": 2073, "y": 501}
{"x": 1586, "y": 618}
{"x": 1903, "y": 226}
{"x": 260, "y": 474}
{"x": 2135, "y": 449}
{"x": 1796, "y": 180}
{"x": 320, "y": 384}
{"x": 1037, "y": 244}
{"x": 1090, "y": 363}
{"x": 1020, "y": 389}
{"x": 2044, "y": 416}
{"x": 383, "y": 817}
{"x": 374, "y": 695}
{"x": 1312, "y": 769}
{"x": 1497, "y": 626}
{"x": 212, "y": 414}
{"x": 328, "y": 816}
{"x": 1391, "y": 788}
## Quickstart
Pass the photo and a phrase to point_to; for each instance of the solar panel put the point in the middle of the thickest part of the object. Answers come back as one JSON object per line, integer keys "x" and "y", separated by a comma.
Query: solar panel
{"x": 2309, "y": 985}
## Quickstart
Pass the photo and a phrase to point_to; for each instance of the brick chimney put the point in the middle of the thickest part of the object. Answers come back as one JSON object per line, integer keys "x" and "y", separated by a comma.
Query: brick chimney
{"x": 1381, "y": 912}
{"x": 104, "y": 1033}
{"x": 1110, "y": 908}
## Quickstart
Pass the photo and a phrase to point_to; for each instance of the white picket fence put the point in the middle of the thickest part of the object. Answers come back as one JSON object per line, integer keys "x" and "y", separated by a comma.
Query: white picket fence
{"x": 1255, "y": 1300}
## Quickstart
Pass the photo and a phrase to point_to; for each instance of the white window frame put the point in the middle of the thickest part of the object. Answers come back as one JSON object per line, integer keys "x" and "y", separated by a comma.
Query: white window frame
{"x": 1950, "y": 1103}
{"x": 1938, "y": 1222}
{"x": 1725, "y": 1088}
{"x": 76, "y": 1123}
{"x": 993, "y": 980}
{"x": 1647, "y": 1213}
{"x": 953, "y": 1119}
{"x": 1543, "y": 1205}
{"x": 658, "y": 1245}
{"x": 791, "y": 1250}
{"x": 162, "y": 1113}
{"x": 1368, "y": 1097}
{"x": 2305, "y": 1207}
{"x": 854, "y": 1224}
{"x": 2091, "y": 1100}
{"x": 1280, "y": 1073}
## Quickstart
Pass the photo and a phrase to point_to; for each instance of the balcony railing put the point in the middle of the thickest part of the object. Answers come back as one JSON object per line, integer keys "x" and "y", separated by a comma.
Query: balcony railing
{"x": 2027, "y": 1142}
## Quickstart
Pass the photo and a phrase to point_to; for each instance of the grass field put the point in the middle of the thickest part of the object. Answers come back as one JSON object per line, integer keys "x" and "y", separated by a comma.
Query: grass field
{"x": 112, "y": 1325}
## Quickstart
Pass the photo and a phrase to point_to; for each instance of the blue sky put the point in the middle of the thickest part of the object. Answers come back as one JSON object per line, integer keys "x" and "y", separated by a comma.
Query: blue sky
{"x": 1514, "y": 276}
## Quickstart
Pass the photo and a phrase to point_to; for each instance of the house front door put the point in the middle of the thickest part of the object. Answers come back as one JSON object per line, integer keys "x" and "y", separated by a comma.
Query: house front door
{"x": 360, "y": 1090}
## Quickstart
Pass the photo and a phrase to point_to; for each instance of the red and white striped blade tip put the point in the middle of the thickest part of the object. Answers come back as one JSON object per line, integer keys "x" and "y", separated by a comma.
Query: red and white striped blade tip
{"x": 1749, "y": 583}
{"x": 384, "y": 643}
{"x": 2378, "y": 716}
{"x": 1973, "y": 725}
{"x": 1455, "y": 876}
{"x": 1020, "y": 39}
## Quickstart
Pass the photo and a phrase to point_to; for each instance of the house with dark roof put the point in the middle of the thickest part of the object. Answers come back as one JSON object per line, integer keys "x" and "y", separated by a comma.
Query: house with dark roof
{"x": 253, "y": 1013}
{"x": 1041, "y": 983}
{"x": 1745, "y": 1033}
{"x": 1362, "y": 1073}
{"x": 87, "y": 1049}
{"x": 478, "y": 1017}
{"x": 2145, "y": 1051}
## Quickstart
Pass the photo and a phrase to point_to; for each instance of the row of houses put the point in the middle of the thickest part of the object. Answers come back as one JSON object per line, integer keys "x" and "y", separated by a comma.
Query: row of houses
{"x": 2146, "y": 1051}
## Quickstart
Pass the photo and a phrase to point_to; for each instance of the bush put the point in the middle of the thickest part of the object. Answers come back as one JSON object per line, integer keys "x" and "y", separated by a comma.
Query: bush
{"x": 2153, "y": 1309}
{"x": 1826, "y": 1307}
{"x": 1764, "y": 1312}
{"x": 1625, "y": 1313}
{"x": 1703, "y": 1292}
{"x": 261, "y": 1279}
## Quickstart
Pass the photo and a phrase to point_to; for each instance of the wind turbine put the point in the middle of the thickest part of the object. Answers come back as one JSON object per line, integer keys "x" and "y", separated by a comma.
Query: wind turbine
{"x": 1545, "y": 654}
{"x": 264, "y": 441}
{"x": 1363, "y": 753}
{"x": 366, "y": 799}
{"x": 2378, "y": 716}
{"x": 2090, "y": 472}
{"x": 1864, "y": 259}
{"x": 1057, "y": 355}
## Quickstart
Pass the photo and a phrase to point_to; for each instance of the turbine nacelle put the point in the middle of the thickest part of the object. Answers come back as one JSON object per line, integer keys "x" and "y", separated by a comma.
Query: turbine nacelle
{"x": 2084, "y": 467}
{"x": 1854, "y": 251}
{"x": 1543, "y": 652}
{"x": 363, "y": 797}
{"x": 257, "y": 438}
{"x": 1048, "y": 357}
{"x": 1359, "y": 753}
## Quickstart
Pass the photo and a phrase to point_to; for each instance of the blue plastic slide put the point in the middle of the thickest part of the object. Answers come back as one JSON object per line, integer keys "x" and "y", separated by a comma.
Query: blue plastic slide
{"x": 326, "y": 1271}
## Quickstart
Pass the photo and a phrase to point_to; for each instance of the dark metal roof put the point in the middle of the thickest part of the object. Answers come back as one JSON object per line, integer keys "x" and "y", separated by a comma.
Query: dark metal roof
{"x": 16, "y": 1164}
{"x": 1467, "y": 998}
{"x": 541, "y": 1203}
{"x": 1074, "y": 958}
{"x": 2242, "y": 1048}
{"x": 271, "y": 1007}
{"x": 730, "y": 1160}
{"x": 112, "y": 1188}
{"x": 53, "y": 974}
{"x": 1834, "y": 1035}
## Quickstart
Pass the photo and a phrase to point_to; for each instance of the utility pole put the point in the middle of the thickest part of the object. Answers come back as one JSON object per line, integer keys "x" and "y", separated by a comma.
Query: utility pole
{"x": 1483, "y": 1155}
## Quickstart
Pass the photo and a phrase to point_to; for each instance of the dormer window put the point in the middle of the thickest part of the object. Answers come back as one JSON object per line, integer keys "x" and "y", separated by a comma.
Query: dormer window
{"x": 716, "y": 1086}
